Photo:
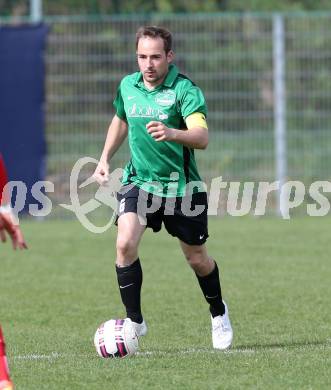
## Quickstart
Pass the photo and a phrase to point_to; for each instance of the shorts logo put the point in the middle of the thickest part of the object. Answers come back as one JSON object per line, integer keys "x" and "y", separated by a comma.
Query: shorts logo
{"x": 122, "y": 206}
{"x": 165, "y": 98}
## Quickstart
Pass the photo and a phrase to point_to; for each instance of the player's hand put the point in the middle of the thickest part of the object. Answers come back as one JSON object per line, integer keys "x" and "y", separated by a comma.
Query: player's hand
{"x": 101, "y": 173}
{"x": 8, "y": 226}
{"x": 160, "y": 132}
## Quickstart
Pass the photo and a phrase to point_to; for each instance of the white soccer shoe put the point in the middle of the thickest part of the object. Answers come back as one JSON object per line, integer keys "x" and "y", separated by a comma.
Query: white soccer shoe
{"x": 222, "y": 333}
{"x": 141, "y": 329}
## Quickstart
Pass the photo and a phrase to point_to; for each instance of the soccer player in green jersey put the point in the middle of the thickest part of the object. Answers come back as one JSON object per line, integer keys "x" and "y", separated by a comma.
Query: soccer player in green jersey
{"x": 163, "y": 113}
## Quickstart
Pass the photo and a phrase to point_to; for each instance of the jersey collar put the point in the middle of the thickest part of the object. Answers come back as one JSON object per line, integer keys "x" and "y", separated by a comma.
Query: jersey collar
{"x": 168, "y": 81}
{"x": 171, "y": 76}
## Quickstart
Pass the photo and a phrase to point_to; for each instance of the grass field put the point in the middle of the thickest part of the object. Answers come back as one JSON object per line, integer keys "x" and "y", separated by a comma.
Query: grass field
{"x": 276, "y": 279}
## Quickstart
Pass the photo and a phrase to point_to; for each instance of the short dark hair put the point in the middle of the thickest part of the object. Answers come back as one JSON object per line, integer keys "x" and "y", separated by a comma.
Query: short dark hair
{"x": 155, "y": 32}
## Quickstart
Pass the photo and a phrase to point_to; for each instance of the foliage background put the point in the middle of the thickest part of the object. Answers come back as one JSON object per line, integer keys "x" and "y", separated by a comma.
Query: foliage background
{"x": 69, "y": 7}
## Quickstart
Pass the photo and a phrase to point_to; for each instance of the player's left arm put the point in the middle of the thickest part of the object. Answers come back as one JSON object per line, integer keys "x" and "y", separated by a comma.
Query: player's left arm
{"x": 8, "y": 223}
{"x": 195, "y": 136}
{"x": 9, "y": 226}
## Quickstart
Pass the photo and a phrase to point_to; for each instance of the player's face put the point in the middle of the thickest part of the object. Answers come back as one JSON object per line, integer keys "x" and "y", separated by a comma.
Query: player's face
{"x": 153, "y": 61}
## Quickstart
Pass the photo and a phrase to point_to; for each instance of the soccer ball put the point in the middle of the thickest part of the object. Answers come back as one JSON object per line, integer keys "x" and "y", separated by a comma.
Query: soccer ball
{"x": 116, "y": 338}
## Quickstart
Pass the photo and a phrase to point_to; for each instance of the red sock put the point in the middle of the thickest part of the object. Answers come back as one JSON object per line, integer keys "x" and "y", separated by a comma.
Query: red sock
{"x": 4, "y": 372}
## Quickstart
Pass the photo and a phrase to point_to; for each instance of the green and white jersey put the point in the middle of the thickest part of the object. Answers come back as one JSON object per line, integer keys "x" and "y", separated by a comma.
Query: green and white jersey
{"x": 168, "y": 165}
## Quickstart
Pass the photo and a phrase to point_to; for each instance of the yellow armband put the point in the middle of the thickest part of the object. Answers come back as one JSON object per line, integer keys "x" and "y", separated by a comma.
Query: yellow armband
{"x": 197, "y": 119}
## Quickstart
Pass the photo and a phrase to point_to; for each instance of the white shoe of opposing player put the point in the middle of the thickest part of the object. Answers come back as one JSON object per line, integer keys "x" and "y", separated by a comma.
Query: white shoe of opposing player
{"x": 141, "y": 329}
{"x": 222, "y": 333}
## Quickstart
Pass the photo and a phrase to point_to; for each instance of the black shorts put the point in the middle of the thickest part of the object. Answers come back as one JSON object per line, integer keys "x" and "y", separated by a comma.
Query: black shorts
{"x": 183, "y": 217}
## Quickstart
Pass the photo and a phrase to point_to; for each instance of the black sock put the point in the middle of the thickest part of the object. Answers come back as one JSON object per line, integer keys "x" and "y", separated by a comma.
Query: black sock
{"x": 211, "y": 288}
{"x": 129, "y": 281}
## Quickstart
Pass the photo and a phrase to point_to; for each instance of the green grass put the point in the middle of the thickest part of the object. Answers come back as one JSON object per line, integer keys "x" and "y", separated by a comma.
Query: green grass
{"x": 276, "y": 280}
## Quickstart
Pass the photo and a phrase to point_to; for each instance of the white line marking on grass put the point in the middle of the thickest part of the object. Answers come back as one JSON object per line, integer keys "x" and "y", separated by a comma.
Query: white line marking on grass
{"x": 57, "y": 355}
{"x": 53, "y": 355}
{"x": 193, "y": 351}
{"x": 155, "y": 353}
{"x": 233, "y": 351}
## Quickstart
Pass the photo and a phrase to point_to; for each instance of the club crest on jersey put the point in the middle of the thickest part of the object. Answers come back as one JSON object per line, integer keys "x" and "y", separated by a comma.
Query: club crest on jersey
{"x": 165, "y": 98}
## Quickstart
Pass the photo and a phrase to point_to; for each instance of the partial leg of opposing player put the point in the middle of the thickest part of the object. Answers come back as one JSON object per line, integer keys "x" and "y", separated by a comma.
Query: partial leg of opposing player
{"x": 5, "y": 382}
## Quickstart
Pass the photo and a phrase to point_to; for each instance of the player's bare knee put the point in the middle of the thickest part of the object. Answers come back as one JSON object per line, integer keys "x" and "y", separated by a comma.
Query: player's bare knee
{"x": 194, "y": 262}
{"x": 195, "y": 258}
{"x": 125, "y": 248}
{"x": 199, "y": 260}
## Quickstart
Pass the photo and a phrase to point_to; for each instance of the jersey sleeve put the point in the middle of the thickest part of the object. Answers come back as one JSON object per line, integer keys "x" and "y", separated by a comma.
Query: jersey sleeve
{"x": 3, "y": 182}
{"x": 119, "y": 104}
{"x": 193, "y": 101}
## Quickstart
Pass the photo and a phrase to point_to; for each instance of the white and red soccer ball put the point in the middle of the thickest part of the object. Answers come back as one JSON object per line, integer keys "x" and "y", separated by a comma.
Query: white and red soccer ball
{"x": 116, "y": 338}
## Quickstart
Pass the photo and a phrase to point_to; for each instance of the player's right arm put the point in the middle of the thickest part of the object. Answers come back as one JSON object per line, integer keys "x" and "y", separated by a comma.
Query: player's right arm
{"x": 117, "y": 133}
